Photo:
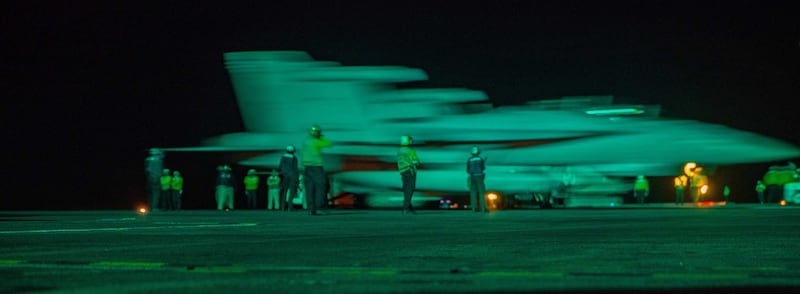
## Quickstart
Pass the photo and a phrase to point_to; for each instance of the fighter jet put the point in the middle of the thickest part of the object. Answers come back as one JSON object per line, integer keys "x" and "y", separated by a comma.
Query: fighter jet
{"x": 584, "y": 145}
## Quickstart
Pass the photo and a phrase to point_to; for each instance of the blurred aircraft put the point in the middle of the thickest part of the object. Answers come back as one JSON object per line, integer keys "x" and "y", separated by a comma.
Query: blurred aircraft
{"x": 588, "y": 143}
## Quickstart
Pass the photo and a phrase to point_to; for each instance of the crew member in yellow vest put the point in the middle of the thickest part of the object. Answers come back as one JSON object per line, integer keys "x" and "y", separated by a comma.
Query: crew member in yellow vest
{"x": 165, "y": 180}
{"x": 697, "y": 184}
{"x": 251, "y": 188}
{"x": 274, "y": 191}
{"x": 315, "y": 176}
{"x": 680, "y": 189}
{"x": 177, "y": 190}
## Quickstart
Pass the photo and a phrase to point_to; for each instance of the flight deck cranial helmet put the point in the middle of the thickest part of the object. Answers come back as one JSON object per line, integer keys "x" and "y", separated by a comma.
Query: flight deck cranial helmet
{"x": 290, "y": 148}
{"x": 251, "y": 172}
{"x": 315, "y": 131}
{"x": 476, "y": 150}
{"x": 405, "y": 140}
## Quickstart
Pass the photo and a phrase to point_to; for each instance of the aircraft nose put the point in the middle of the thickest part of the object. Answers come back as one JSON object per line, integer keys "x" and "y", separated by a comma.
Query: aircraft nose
{"x": 773, "y": 150}
{"x": 745, "y": 147}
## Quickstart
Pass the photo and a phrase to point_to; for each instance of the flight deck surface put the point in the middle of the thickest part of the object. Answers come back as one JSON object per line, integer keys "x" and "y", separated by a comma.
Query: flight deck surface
{"x": 635, "y": 248}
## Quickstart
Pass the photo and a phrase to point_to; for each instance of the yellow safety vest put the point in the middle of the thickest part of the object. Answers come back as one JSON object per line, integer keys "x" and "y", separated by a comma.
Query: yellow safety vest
{"x": 312, "y": 155}
{"x": 680, "y": 182}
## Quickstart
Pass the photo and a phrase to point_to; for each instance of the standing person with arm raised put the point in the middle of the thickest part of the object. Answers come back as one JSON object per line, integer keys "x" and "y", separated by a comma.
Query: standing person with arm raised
{"x": 315, "y": 176}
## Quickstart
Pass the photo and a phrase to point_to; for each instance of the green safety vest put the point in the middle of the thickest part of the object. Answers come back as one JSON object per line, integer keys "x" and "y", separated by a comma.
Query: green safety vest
{"x": 641, "y": 185}
{"x": 407, "y": 159}
{"x": 177, "y": 183}
{"x": 165, "y": 182}
{"x": 251, "y": 182}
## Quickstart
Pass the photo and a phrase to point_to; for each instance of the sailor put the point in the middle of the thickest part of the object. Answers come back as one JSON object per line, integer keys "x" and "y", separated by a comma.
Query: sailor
{"x": 153, "y": 165}
{"x": 166, "y": 187}
{"x": 289, "y": 172}
{"x": 177, "y": 190}
{"x": 251, "y": 188}
{"x": 726, "y": 192}
{"x": 273, "y": 191}
{"x": 760, "y": 188}
{"x": 224, "y": 191}
{"x": 314, "y": 172}
{"x": 477, "y": 189}
{"x": 407, "y": 162}
{"x": 641, "y": 188}
{"x": 680, "y": 188}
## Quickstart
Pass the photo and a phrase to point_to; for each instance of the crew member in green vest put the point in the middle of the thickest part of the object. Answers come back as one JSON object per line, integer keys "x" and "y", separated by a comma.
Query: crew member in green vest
{"x": 641, "y": 188}
{"x": 177, "y": 190}
{"x": 166, "y": 180}
{"x": 251, "y": 188}
{"x": 407, "y": 162}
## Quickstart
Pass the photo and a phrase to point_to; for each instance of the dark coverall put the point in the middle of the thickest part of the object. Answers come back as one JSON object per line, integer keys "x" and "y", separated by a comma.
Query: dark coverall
{"x": 477, "y": 189}
{"x": 153, "y": 165}
{"x": 224, "y": 193}
{"x": 288, "y": 170}
{"x": 407, "y": 162}
{"x": 177, "y": 191}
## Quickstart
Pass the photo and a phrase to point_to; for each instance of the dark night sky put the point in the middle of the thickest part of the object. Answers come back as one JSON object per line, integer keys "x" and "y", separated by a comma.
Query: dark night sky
{"x": 90, "y": 86}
